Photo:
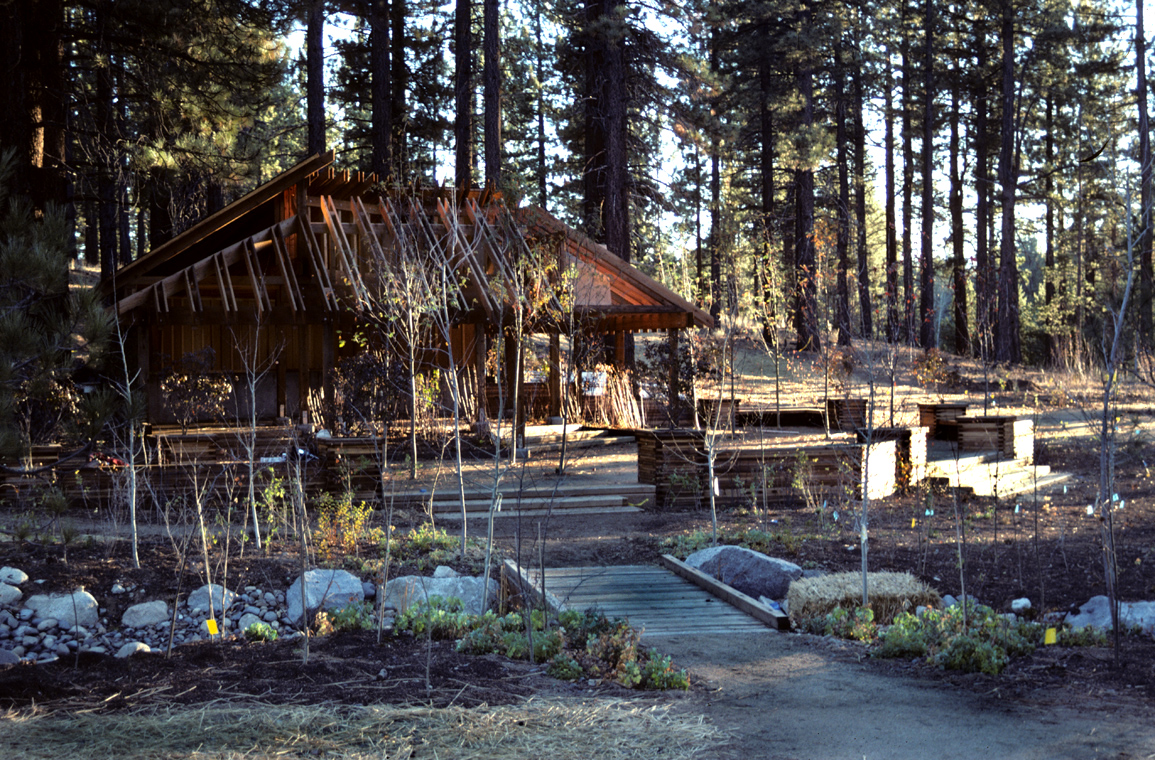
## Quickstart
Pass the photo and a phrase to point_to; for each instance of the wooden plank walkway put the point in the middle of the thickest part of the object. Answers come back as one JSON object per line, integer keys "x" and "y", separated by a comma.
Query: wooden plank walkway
{"x": 652, "y": 598}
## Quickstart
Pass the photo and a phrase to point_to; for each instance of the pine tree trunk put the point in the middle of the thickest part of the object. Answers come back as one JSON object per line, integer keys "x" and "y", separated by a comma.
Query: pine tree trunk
{"x": 463, "y": 94}
{"x": 909, "y": 329}
{"x": 805, "y": 260}
{"x": 400, "y": 76}
{"x": 893, "y": 319}
{"x": 492, "y": 81}
{"x": 1051, "y": 346}
{"x": 958, "y": 258}
{"x": 315, "y": 77}
{"x": 860, "y": 201}
{"x": 927, "y": 335}
{"x": 842, "y": 236}
{"x": 1145, "y": 168}
{"x": 382, "y": 93}
{"x": 985, "y": 300}
{"x": 1007, "y": 348}
{"x": 769, "y": 211}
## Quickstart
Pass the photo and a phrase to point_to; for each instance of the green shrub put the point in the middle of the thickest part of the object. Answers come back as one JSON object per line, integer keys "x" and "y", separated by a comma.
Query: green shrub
{"x": 563, "y": 666}
{"x": 438, "y": 617}
{"x": 357, "y": 616}
{"x": 858, "y": 625}
{"x": 985, "y": 644}
{"x": 261, "y": 632}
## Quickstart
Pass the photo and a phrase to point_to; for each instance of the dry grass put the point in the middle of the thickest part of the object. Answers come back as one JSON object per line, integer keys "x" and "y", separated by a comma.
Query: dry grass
{"x": 556, "y": 729}
{"x": 890, "y": 594}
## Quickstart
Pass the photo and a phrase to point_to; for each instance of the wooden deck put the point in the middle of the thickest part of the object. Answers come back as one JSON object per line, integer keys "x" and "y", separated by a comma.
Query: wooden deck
{"x": 652, "y": 598}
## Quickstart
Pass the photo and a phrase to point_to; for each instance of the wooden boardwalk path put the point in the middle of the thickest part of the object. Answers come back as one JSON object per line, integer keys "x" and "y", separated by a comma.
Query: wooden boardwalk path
{"x": 652, "y": 598}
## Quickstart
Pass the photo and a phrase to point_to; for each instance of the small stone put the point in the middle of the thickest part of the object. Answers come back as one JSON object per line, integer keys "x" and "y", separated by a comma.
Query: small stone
{"x": 270, "y": 597}
{"x": 26, "y": 613}
{"x": 370, "y": 589}
{"x": 18, "y": 651}
{"x": 443, "y": 571}
{"x": 48, "y": 624}
{"x": 269, "y": 617}
{"x": 1019, "y": 606}
{"x": 48, "y": 642}
{"x": 117, "y": 588}
{"x": 7, "y": 657}
{"x": 98, "y": 649}
{"x": 30, "y": 641}
{"x": 62, "y": 650}
{"x": 247, "y": 621}
{"x": 131, "y": 648}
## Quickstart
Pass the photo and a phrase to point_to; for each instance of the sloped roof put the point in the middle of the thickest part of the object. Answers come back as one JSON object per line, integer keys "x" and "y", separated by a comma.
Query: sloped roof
{"x": 259, "y": 252}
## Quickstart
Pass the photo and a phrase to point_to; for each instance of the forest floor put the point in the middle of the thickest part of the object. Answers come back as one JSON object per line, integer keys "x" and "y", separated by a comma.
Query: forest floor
{"x": 771, "y": 695}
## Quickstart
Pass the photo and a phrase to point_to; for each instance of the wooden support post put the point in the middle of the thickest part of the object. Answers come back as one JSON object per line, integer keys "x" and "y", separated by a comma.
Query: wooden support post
{"x": 328, "y": 359}
{"x": 282, "y": 384}
{"x": 675, "y": 390}
{"x": 620, "y": 350}
{"x": 303, "y": 383}
{"x": 480, "y": 353}
{"x": 554, "y": 375}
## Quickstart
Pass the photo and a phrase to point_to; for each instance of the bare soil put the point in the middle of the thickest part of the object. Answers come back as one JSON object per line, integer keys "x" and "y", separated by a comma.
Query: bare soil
{"x": 776, "y": 695}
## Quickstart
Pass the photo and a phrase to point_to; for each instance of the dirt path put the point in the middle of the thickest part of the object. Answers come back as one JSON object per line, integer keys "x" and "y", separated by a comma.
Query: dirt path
{"x": 793, "y": 698}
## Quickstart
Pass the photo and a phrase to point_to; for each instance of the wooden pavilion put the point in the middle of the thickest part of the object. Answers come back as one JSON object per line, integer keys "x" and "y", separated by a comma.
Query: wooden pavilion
{"x": 292, "y": 267}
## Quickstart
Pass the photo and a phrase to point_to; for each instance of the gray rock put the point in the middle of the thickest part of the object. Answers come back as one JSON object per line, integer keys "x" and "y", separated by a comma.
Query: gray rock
{"x": 145, "y": 614}
{"x": 412, "y": 589}
{"x": 270, "y": 617}
{"x": 1019, "y": 606}
{"x": 9, "y": 595}
{"x": 247, "y": 620}
{"x": 77, "y": 608}
{"x": 47, "y": 624}
{"x": 62, "y": 650}
{"x": 8, "y": 658}
{"x": 131, "y": 648}
{"x": 746, "y": 570}
{"x": 1097, "y": 613}
{"x": 222, "y": 598}
{"x": 324, "y": 590}
{"x": 369, "y": 589}
{"x": 12, "y": 575}
{"x": 443, "y": 571}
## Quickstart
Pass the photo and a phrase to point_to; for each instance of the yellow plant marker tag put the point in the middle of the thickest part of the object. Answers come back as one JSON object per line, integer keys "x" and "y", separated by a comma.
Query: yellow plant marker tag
{"x": 212, "y": 626}
{"x": 913, "y": 521}
{"x": 1049, "y": 636}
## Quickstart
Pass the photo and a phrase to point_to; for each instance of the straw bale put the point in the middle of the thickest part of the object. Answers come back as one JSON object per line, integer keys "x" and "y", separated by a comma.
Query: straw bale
{"x": 889, "y": 594}
{"x": 556, "y": 728}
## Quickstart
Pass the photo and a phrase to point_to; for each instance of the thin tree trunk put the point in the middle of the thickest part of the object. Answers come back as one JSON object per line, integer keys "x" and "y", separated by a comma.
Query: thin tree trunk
{"x": 1051, "y": 345}
{"x": 400, "y": 76}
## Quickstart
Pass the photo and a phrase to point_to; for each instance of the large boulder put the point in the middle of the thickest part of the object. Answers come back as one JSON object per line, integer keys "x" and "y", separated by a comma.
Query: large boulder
{"x": 145, "y": 614}
{"x": 222, "y": 598}
{"x": 12, "y": 575}
{"x": 77, "y": 608}
{"x": 746, "y": 570}
{"x": 324, "y": 590}
{"x": 1097, "y": 614}
{"x": 408, "y": 590}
